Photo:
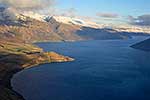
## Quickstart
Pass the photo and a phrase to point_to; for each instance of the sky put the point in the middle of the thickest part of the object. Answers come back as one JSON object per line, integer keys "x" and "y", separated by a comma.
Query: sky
{"x": 133, "y": 12}
{"x": 90, "y": 7}
{"x": 107, "y": 10}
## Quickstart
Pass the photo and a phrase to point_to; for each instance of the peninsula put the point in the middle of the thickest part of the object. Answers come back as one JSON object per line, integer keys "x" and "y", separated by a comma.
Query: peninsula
{"x": 15, "y": 57}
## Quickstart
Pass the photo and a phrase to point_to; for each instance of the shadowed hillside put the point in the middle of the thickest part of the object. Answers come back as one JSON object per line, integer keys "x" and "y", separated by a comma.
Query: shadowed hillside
{"x": 72, "y": 32}
{"x": 144, "y": 45}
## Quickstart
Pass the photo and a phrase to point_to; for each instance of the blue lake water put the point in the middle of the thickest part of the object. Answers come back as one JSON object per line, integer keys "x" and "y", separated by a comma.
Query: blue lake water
{"x": 103, "y": 70}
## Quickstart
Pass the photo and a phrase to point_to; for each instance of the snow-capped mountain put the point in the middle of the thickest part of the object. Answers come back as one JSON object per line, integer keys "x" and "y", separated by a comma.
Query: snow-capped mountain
{"x": 76, "y": 21}
{"x": 10, "y": 14}
{"x": 36, "y": 16}
{"x": 63, "y": 19}
{"x": 88, "y": 23}
{"x": 29, "y": 26}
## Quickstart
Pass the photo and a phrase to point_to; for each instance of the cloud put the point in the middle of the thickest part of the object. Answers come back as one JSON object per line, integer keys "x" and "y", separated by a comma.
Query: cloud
{"x": 107, "y": 15}
{"x": 27, "y": 4}
{"x": 143, "y": 20}
{"x": 71, "y": 12}
{"x": 8, "y": 16}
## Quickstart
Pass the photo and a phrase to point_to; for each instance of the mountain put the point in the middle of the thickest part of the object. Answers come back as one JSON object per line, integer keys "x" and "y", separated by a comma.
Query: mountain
{"x": 31, "y": 30}
{"x": 75, "y": 29}
{"x": 90, "y": 24}
{"x": 144, "y": 45}
{"x": 31, "y": 27}
{"x": 33, "y": 15}
{"x": 76, "y": 21}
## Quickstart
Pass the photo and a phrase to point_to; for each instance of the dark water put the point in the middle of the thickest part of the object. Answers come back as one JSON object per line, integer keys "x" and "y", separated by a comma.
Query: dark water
{"x": 103, "y": 70}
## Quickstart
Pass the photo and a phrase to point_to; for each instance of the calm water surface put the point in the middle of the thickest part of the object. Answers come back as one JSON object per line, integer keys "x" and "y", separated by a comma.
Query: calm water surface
{"x": 103, "y": 70}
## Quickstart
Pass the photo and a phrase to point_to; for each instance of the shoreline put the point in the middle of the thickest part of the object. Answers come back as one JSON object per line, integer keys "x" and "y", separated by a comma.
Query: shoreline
{"x": 5, "y": 83}
{"x": 15, "y": 57}
{"x": 6, "y": 86}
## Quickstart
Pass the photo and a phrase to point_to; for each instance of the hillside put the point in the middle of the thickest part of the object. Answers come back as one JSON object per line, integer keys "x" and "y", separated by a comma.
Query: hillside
{"x": 32, "y": 27}
{"x": 144, "y": 45}
{"x": 73, "y": 31}
{"x": 31, "y": 30}
{"x": 28, "y": 30}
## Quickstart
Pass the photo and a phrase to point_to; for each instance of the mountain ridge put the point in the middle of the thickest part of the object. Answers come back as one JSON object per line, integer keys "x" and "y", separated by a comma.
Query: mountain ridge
{"x": 33, "y": 27}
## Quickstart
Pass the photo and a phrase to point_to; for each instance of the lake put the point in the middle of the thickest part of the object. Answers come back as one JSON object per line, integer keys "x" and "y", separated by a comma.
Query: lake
{"x": 103, "y": 70}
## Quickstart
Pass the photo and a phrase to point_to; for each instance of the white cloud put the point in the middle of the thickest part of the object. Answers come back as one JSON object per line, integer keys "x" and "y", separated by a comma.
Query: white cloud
{"x": 143, "y": 20}
{"x": 28, "y": 4}
{"x": 107, "y": 15}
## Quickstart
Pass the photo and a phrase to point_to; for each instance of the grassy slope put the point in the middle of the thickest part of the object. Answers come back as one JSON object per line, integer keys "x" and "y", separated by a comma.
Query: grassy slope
{"x": 17, "y": 56}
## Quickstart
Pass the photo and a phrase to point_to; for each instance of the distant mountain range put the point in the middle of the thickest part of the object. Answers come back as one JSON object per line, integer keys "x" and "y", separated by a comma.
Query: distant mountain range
{"x": 32, "y": 27}
{"x": 88, "y": 23}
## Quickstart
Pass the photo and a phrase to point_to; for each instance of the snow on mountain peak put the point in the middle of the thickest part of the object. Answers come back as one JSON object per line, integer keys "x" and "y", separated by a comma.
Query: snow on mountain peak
{"x": 87, "y": 23}
{"x": 75, "y": 21}
{"x": 36, "y": 16}
{"x": 63, "y": 19}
